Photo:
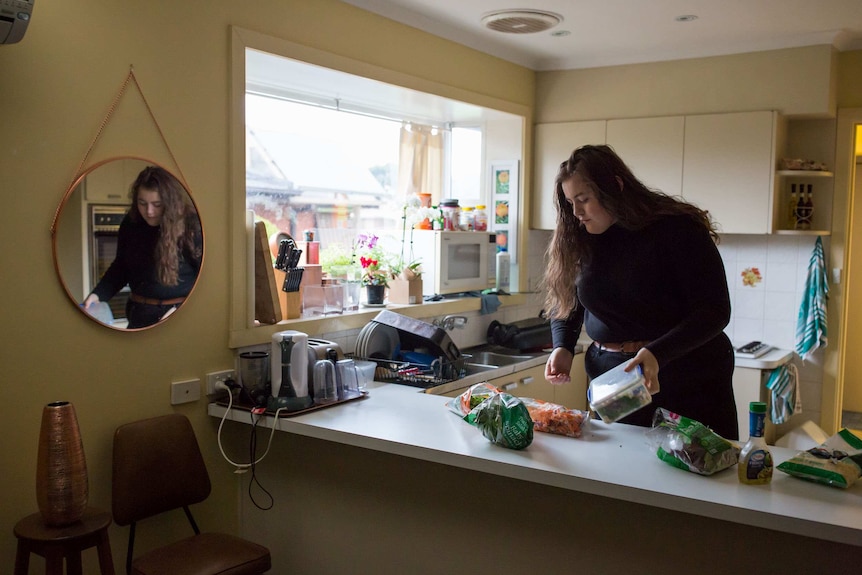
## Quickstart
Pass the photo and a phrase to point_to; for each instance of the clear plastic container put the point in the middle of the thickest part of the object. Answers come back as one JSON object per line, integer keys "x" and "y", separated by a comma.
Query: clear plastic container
{"x": 480, "y": 219}
{"x": 466, "y": 219}
{"x": 617, "y": 393}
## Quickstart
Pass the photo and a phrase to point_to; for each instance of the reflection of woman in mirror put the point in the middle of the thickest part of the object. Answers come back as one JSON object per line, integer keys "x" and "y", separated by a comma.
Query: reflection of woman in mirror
{"x": 159, "y": 250}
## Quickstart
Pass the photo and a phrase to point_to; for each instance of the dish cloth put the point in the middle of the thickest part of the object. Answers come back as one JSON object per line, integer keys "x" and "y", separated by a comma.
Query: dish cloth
{"x": 490, "y": 303}
{"x": 811, "y": 324}
{"x": 786, "y": 399}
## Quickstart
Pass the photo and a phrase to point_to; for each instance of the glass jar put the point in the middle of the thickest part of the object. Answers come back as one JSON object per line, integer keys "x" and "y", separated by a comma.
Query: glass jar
{"x": 480, "y": 219}
{"x": 451, "y": 215}
{"x": 466, "y": 219}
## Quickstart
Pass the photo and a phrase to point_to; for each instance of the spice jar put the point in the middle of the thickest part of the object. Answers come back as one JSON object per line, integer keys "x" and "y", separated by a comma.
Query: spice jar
{"x": 480, "y": 219}
{"x": 466, "y": 219}
{"x": 451, "y": 215}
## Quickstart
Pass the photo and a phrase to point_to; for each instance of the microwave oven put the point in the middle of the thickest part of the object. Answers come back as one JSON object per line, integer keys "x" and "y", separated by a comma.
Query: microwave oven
{"x": 455, "y": 262}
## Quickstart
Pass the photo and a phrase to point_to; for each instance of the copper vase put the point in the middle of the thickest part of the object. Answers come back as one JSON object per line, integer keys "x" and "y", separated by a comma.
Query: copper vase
{"x": 62, "y": 486}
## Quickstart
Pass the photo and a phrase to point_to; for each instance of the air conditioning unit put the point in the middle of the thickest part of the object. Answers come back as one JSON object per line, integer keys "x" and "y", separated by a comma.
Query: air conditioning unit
{"x": 14, "y": 18}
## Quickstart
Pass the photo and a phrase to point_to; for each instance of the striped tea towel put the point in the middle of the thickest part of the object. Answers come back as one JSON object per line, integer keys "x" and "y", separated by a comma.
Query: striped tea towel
{"x": 811, "y": 324}
{"x": 786, "y": 399}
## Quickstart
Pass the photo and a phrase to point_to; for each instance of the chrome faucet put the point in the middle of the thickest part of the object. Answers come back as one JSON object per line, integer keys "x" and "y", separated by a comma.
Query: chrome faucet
{"x": 450, "y": 322}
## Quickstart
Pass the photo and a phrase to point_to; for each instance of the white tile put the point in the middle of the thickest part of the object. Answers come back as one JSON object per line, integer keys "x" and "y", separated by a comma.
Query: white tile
{"x": 745, "y": 330}
{"x": 780, "y": 306}
{"x": 781, "y": 277}
{"x": 782, "y": 249}
{"x": 753, "y": 249}
{"x": 749, "y": 304}
{"x": 781, "y": 334}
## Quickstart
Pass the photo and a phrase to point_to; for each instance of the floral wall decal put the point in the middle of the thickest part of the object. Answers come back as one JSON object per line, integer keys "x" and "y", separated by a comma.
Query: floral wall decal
{"x": 751, "y": 277}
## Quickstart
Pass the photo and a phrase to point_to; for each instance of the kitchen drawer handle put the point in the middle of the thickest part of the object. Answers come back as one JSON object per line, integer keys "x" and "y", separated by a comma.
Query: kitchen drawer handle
{"x": 508, "y": 386}
{"x": 527, "y": 380}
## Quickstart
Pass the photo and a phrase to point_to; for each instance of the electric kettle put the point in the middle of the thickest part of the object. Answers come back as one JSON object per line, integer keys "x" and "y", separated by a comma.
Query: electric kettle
{"x": 289, "y": 363}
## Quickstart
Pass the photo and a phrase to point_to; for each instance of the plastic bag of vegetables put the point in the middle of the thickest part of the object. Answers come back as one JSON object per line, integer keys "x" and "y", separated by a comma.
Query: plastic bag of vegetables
{"x": 836, "y": 462}
{"x": 502, "y": 418}
{"x": 689, "y": 444}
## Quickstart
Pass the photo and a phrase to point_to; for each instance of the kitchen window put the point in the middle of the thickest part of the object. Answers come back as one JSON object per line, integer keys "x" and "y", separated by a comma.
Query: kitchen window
{"x": 281, "y": 71}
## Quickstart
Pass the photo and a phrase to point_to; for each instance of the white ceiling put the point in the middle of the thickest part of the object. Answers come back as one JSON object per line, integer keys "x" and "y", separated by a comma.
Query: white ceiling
{"x": 613, "y": 32}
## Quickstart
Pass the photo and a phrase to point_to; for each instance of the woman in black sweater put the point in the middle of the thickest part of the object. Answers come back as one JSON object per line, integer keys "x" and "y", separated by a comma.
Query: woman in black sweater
{"x": 159, "y": 250}
{"x": 641, "y": 272}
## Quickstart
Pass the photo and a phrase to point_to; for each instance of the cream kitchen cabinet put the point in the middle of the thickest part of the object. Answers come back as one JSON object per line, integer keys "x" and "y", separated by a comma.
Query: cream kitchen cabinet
{"x": 554, "y": 143}
{"x": 729, "y": 168}
{"x": 573, "y": 394}
{"x": 652, "y": 148}
{"x": 112, "y": 182}
{"x": 527, "y": 383}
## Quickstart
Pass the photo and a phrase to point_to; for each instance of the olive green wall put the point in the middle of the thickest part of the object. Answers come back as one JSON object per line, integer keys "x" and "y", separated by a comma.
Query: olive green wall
{"x": 56, "y": 88}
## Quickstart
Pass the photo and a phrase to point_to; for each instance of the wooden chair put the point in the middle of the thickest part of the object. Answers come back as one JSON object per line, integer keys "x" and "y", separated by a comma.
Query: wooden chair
{"x": 158, "y": 467}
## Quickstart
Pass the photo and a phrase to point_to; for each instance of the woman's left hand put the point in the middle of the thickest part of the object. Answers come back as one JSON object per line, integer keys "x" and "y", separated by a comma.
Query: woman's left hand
{"x": 649, "y": 364}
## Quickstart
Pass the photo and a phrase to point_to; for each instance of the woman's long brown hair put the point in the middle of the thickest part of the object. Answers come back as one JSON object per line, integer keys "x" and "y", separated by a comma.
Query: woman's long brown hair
{"x": 177, "y": 228}
{"x": 629, "y": 201}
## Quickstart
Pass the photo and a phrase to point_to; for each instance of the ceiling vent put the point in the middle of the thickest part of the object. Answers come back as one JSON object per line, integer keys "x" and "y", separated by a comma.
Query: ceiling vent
{"x": 521, "y": 21}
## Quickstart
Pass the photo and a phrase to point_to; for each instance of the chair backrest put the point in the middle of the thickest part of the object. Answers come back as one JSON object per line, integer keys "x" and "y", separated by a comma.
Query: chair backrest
{"x": 157, "y": 467}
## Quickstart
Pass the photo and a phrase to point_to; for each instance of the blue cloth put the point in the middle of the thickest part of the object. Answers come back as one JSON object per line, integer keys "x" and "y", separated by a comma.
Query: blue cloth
{"x": 490, "y": 303}
{"x": 811, "y": 324}
{"x": 786, "y": 399}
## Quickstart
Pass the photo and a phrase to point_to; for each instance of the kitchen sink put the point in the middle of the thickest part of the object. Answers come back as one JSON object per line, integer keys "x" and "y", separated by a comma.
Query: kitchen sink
{"x": 474, "y": 368}
{"x": 494, "y": 359}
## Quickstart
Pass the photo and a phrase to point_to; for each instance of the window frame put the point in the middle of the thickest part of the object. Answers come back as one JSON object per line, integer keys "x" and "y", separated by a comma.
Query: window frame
{"x": 243, "y": 332}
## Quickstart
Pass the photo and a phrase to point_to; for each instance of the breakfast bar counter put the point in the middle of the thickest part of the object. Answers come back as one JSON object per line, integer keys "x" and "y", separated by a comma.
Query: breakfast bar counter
{"x": 610, "y": 463}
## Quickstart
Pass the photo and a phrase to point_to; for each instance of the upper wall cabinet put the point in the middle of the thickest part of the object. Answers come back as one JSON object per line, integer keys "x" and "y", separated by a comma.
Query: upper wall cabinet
{"x": 652, "y": 148}
{"x": 554, "y": 143}
{"x": 730, "y": 167}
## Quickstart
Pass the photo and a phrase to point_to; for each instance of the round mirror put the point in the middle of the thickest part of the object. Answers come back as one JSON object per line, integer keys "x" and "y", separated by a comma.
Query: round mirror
{"x": 128, "y": 243}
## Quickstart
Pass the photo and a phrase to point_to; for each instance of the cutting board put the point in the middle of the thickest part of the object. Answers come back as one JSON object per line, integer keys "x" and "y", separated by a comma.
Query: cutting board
{"x": 267, "y": 309}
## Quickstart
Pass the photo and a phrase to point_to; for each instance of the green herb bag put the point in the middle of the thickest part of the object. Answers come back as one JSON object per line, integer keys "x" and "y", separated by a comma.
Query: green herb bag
{"x": 689, "y": 444}
{"x": 504, "y": 420}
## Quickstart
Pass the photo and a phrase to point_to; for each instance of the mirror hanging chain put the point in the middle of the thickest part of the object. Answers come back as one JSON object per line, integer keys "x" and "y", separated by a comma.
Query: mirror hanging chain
{"x": 129, "y": 77}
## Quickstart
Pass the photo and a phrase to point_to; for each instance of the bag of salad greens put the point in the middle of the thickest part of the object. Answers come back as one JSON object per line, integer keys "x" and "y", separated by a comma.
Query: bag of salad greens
{"x": 689, "y": 444}
{"x": 836, "y": 462}
{"x": 504, "y": 420}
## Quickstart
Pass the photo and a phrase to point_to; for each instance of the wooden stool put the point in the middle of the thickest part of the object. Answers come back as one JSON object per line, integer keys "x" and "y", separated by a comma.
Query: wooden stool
{"x": 57, "y": 543}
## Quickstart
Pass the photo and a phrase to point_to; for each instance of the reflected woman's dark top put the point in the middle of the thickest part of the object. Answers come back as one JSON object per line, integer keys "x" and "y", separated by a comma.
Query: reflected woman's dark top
{"x": 135, "y": 265}
{"x": 159, "y": 250}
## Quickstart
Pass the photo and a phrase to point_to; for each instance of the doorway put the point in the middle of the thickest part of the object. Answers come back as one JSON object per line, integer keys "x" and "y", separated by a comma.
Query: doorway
{"x": 848, "y": 396}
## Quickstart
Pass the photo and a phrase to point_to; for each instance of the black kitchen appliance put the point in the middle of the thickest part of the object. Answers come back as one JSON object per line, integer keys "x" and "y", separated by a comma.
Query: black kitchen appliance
{"x": 531, "y": 334}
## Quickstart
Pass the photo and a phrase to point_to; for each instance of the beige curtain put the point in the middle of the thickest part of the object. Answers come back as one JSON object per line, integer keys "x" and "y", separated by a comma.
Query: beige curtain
{"x": 420, "y": 161}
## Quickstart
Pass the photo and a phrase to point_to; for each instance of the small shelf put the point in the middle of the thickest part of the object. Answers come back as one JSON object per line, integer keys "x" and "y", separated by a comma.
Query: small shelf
{"x": 802, "y": 232}
{"x": 804, "y": 173}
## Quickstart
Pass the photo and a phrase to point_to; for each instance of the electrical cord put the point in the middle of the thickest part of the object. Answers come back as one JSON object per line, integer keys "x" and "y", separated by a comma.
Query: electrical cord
{"x": 243, "y": 467}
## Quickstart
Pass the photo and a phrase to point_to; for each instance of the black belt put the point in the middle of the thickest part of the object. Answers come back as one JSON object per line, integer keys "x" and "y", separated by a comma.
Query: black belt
{"x": 151, "y": 301}
{"x": 623, "y": 347}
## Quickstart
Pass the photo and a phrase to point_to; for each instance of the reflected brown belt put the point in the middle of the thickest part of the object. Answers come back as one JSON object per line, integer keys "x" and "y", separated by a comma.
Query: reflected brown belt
{"x": 151, "y": 301}
{"x": 623, "y": 347}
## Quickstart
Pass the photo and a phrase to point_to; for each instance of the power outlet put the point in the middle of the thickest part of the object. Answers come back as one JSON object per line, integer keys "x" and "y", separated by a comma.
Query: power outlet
{"x": 185, "y": 391}
{"x": 217, "y": 376}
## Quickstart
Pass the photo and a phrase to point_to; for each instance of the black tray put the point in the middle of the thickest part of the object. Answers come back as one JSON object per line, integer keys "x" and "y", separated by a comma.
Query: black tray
{"x": 245, "y": 406}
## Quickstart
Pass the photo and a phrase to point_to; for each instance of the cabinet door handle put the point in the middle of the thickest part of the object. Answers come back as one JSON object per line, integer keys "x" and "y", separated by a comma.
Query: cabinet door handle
{"x": 508, "y": 386}
{"x": 527, "y": 380}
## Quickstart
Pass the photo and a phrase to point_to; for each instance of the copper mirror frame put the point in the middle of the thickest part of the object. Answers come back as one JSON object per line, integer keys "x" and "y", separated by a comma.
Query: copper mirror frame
{"x": 83, "y": 248}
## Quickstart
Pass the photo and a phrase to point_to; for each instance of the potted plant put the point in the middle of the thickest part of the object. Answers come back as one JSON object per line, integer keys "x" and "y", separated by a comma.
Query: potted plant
{"x": 373, "y": 261}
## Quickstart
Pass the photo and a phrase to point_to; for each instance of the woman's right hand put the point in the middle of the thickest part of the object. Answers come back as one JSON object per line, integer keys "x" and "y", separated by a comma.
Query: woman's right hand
{"x": 91, "y": 300}
{"x": 558, "y": 366}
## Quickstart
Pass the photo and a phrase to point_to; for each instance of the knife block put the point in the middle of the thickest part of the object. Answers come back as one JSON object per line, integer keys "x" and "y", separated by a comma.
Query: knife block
{"x": 290, "y": 302}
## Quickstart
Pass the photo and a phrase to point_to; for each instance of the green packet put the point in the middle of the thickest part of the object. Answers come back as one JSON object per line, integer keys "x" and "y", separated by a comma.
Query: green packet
{"x": 690, "y": 445}
{"x": 503, "y": 420}
{"x": 836, "y": 462}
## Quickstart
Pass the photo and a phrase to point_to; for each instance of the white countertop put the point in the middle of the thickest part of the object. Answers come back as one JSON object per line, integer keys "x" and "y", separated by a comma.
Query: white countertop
{"x": 770, "y": 360}
{"x": 611, "y": 460}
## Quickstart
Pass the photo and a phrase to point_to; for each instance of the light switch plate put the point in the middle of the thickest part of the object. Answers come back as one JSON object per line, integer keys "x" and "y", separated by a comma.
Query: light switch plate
{"x": 185, "y": 391}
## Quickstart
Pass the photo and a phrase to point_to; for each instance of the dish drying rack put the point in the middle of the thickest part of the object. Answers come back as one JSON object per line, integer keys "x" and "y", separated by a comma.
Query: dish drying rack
{"x": 421, "y": 375}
